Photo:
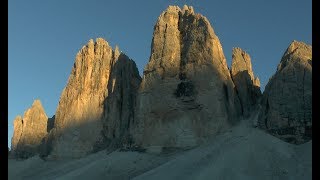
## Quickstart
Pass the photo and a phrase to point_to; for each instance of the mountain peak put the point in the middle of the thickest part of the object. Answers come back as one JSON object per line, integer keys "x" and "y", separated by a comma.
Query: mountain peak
{"x": 241, "y": 61}
{"x": 248, "y": 86}
{"x": 100, "y": 40}
{"x": 37, "y": 103}
{"x": 186, "y": 72}
{"x": 297, "y": 51}
{"x": 297, "y": 44}
{"x": 29, "y": 130}
{"x": 172, "y": 8}
{"x": 287, "y": 99}
{"x": 187, "y": 9}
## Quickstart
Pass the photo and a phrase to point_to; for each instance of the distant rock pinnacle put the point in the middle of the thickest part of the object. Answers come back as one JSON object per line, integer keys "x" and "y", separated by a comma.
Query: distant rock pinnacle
{"x": 248, "y": 86}
{"x": 29, "y": 131}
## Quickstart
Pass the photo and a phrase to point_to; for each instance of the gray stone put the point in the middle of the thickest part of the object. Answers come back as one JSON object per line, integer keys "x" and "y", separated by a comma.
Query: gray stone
{"x": 17, "y": 132}
{"x": 186, "y": 93}
{"x": 78, "y": 119}
{"x": 287, "y": 99}
{"x": 29, "y": 131}
{"x": 123, "y": 85}
{"x": 46, "y": 143}
{"x": 87, "y": 119}
{"x": 247, "y": 86}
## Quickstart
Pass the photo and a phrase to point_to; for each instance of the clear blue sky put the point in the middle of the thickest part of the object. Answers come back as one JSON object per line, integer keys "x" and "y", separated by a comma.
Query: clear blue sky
{"x": 44, "y": 37}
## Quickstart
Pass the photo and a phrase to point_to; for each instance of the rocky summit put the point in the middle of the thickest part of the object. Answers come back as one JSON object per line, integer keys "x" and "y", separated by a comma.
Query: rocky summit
{"x": 247, "y": 86}
{"x": 78, "y": 122}
{"x": 29, "y": 131}
{"x": 186, "y": 93}
{"x": 98, "y": 72}
{"x": 287, "y": 99}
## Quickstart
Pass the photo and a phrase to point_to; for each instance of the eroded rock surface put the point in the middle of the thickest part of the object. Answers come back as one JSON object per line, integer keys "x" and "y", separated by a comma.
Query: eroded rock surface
{"x": 123, "y": 85}
{"x": 287, "y": 99}
{"x": 247, "y": 86}
{"x": 17, "y": 132}
{"x": 29, "y": 131}
{"x": 78, "y": 122}
{"x": 98, "y": 72}
{"x": 186, "y": 93}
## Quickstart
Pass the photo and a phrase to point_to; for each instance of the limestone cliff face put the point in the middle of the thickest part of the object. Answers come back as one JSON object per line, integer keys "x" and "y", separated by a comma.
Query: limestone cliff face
{"x": 46, "y": 143}
{"x": 29, "y": 131}
{"x": 123, "y": 85}
{"x": 78, "y": 116}
{"x": 248, "y": 86}
{"x": 287, "y": 99}
{"x": 98, "y": 72}
{"x": 186, "y": 92}
{"x": 17, "y": 132}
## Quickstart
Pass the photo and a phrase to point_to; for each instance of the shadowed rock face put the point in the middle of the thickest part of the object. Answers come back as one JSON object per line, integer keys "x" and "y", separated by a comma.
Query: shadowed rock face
{"x": 287, "y": 99}
{"x": 98, "y": 72}
{"x": 186, "y": 92}
{"x": 29, "y": 131}
{"x": 123, "y": 85}
{"x": 46, "y": 143}
{"x": 247, "y": 86}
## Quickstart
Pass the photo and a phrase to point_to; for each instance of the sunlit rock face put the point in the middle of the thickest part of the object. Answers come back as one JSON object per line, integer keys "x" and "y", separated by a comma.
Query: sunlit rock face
{"x": 287, "y": 99}
{"x": 247, "y": 86}
{"x": 186, "y": 93}
{"x": 78, "y": 116}
{"x": 81, "y": 113}
{"x": 29, "y": 131}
